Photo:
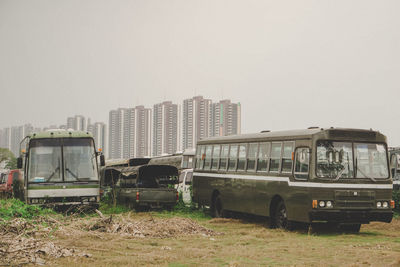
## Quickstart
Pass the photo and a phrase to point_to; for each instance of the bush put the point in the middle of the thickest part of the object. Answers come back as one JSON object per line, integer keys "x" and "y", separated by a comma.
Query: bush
{"x": 15, "y": 208}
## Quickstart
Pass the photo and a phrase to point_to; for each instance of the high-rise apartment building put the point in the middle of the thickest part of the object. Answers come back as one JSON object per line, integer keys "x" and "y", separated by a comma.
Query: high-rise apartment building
{"x": 99, "y": 131}
{"x": 130, "y": 132}
{"x": 18, "y": 133}
{"x": 165, "y": 128}
{"x": 196, "y": 120}
{"x": 5, "y": 138}
{"x": 225, "y": 118}
{"x": 78, "y": 123}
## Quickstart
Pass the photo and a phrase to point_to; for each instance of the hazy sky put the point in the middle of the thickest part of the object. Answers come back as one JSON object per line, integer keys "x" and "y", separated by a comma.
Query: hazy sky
{"x": 291, "y": 64}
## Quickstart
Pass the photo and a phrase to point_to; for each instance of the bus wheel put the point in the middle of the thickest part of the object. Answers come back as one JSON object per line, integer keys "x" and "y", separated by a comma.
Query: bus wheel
{"x": 218, "y": 211}
{"x": 280, "y": 217}
{"x": 350, "y": 228}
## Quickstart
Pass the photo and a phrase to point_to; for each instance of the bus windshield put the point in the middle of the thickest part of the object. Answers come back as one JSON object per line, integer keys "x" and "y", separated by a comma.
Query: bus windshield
{"x": 79, "y": 160}
{"x": 45, "y": 161}
{"x": 371, "y": 161}
{"x": 335, "y": 160}
{"x": 76, "y": 161}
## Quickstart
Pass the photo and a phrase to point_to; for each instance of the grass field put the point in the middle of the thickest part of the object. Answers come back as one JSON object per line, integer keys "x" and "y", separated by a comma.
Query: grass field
{"x": 234, "y": 242}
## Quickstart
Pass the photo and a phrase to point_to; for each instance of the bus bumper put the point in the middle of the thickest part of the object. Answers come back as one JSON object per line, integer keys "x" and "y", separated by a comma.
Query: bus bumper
{"x": 350, "y": 216}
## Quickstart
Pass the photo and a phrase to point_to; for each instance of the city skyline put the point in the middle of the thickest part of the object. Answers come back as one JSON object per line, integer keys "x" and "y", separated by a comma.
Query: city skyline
{"x": 139, "y": 131}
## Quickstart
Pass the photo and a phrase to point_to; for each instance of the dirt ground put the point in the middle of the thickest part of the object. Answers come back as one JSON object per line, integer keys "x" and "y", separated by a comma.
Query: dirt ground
{"x": 133, "y": 239}
{"x": 226, "y": 242}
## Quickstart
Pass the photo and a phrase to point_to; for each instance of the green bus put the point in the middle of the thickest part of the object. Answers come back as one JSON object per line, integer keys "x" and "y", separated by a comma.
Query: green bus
{"x": 334, "y": 175}
{"x": 60, "y": 168}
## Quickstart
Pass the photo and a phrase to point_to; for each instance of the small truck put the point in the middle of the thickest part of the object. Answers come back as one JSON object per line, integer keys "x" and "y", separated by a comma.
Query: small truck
{"x": 145, "y": 187}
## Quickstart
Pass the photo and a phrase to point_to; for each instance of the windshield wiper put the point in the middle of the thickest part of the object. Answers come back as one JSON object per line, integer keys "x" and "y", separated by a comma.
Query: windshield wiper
{"x": 339, "y": 174}
{"x": 73, "y": 174}
{"x": 366, "y": 176}
{"x": 52, "y": 174}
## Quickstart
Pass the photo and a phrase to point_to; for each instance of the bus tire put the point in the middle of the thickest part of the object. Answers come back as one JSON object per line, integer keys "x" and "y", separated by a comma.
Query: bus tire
{"x": 280, "y": 219}
{"x": 217, "y": 211}
{"x": 350, "y": 228}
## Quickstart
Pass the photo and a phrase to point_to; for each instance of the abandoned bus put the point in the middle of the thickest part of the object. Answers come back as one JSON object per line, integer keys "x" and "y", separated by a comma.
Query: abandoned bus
{"x": 181, "y": 160}
{"x": 334, "y": 175}
{"x": 61, "y": 169}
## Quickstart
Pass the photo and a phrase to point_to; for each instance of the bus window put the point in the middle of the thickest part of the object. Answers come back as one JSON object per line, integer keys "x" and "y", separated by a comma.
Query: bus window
{"x": 215, "y": 157}
{"x": 242, "y": 157}
{"x": 263, "y": 155}
{"x": 287, "y": 157}
{"x": 233, "y": 157}
{"x": 207, "y": 160}
{"x": 252, "y": 156}
{"x": 371, "y": 160}
{"x": 302, "y": 163}
{"x": 198, "y": 157}
{"x": 276, "y": 150}
{"x": 224, "y": 157}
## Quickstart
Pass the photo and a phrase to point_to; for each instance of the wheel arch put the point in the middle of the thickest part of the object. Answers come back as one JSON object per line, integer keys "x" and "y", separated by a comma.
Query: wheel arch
{"x": 274, "y": 202}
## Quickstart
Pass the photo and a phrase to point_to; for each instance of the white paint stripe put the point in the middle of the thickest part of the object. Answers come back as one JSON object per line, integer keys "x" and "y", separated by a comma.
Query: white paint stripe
{"x": 296, "y": 184}
{"x": 396, "y": 182}
{"x": 72, "y": 192}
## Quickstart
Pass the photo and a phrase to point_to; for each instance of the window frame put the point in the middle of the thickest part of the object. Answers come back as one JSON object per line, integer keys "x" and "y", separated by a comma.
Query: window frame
{"x": 291, "y": 156}
{"x": 268, "y": 156}
{"x": 255, "y": 159}
{"x": 245, "y": 157}
{"x": 226, "y": 158}
{"x": 309, "y": 163}
{"x": 280, "y": 158}
{"x": 215, "y": 158}
{"x": 229, "y": 157}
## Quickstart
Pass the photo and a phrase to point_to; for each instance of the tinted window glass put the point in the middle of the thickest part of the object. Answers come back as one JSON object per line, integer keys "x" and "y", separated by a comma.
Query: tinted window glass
{"x": 302, "y": 163}
{"x": 276, "y": 149}
{"x": 287, "y": 157}
{"x": 207, "y": 160}
{"x": 263, "y": 155}
{"x": 252, "y": 156}
{"x": 242, "y": 157}
{"x": 224, "y": 157}
{"x": 233, "y": 157}
{"x": 215, "y": 157}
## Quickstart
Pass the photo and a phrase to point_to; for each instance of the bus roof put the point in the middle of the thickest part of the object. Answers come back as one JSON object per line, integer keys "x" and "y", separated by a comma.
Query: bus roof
{"x": 296, "y": 134}
{"x": 59, "y": 133}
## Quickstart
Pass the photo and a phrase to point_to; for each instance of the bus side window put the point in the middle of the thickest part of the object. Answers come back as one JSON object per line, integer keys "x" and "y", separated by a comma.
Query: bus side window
{"x": 215, "y": 157}
{"x": 287, "y": 161}
{"x": 242, "y": 157}
{"x": 252, "y": 156}
{"x": 207, "y": 160}
{"x": 198, "y": 157}
{"x": 233, "y": 154}
{"x": 224, "y": 157}
{"x": 276, "y": 153}
{"x": 263, "y": 156}
{"x": 302, "y": 163}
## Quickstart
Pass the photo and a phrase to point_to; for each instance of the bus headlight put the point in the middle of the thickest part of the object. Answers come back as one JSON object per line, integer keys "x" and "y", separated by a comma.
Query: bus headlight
{"x": 378, "y": 204}
{"x": 329, "y": 204}
{"x": 322, "y": 203}
{"x": 385, "y": 205}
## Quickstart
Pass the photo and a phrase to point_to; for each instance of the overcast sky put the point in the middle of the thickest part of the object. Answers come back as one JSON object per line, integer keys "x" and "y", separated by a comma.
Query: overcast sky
{"x": 291, "y": 64}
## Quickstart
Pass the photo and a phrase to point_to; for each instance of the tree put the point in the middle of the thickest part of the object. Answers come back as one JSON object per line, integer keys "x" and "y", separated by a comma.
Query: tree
{"x": 7, "y": 157}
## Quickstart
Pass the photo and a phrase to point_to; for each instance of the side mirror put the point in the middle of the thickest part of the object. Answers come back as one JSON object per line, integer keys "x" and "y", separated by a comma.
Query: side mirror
{"x": 19, "y": 163}
{"x": 102, "y": 160}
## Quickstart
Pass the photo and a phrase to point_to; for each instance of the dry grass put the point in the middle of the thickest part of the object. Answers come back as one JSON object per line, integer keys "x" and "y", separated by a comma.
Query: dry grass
{"x": 243, "y": 243}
